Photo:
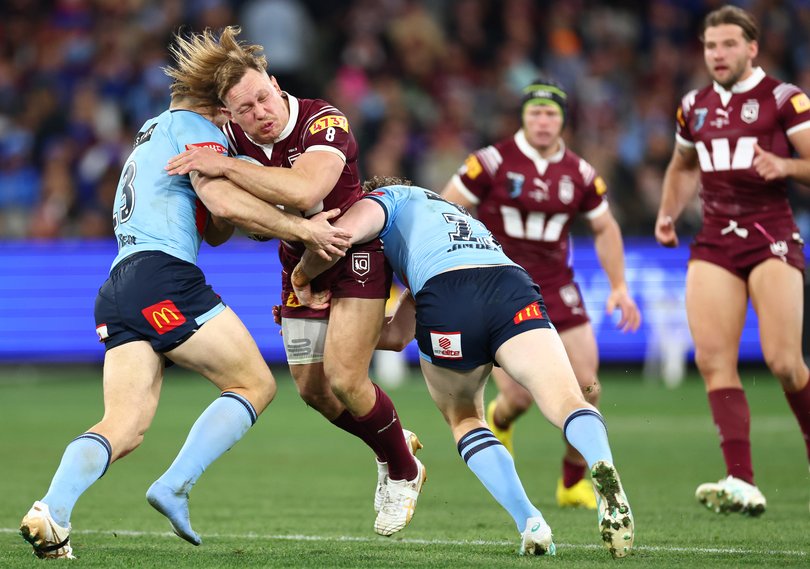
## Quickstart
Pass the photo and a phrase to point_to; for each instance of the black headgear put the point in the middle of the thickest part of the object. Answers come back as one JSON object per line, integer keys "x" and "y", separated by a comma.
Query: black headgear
{"x": 546, "y": 91}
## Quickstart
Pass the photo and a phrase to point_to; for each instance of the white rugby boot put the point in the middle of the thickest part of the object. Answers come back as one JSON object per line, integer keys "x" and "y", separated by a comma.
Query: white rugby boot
{"x": 399, "y": 502}
{"x": 49, "y": 539}
{"x": 731, "y": 495}
{"x": 616, "y": 524}
{"x": 536, "y": 539}
{"x": 382, "y": 469}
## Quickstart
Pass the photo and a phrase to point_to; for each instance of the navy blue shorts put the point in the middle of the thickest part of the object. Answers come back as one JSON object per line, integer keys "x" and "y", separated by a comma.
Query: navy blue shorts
{"x": 155, "y": 297}
{"x": 464, "y": 316}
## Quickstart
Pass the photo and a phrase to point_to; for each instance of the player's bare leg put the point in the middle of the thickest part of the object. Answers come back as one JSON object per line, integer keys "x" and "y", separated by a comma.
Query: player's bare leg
{"x": 557, "y": 393}
{"x": 459, "y": 395}
{"x": 716, "y": 302}
{"x": 573, "y": 490}
{"x": 777, "y": 295}
{"x": 509, "y": 404}
{"x": 133, "y": 376}
{"x": 224, "y": 352}
{"x": 354, "y": 329}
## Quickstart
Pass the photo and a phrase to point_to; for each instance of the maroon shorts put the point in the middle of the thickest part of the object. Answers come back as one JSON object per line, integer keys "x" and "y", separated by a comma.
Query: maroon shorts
{"x": 564, "y": 305}
{"x": 739, "y": 247}
{"x": 362, "y": 273}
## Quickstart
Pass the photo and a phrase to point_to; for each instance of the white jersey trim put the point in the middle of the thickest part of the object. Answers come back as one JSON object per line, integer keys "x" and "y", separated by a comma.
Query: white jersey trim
{"x": 326, "y": 148}
{"x": 799, "y": 127}
{"x": 683, "y": 142}
{"x": 456, "y": 179}
{"x": 288, "y": 128}
{"x": 597, "y": 211}
{"x": 540, "y": 163}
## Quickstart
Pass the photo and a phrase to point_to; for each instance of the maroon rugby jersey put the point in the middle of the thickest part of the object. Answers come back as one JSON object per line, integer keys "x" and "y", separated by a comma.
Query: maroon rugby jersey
{"x": 314, "y": 125}
{"x": 723, "y": 127}
{"x": 529, "y": 203}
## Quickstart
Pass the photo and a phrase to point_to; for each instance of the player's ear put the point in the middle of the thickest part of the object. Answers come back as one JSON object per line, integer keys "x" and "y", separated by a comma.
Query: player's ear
{"x": 753, "y": 49}
{"x": 226, "y": 113}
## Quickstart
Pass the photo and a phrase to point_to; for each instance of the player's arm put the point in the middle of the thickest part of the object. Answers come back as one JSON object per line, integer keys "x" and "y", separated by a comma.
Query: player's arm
{"x": 223, "y": 199}
{"x": 680, "y": 184}
{"x": 217, "y": 231}
{"x": 312, "y": 176}
{"x": 398, "y": 330}
{"x": 610, "y": 250}
{"x": 364, "y": 221}
{"x": 452, "y": 192}
{"x": 773, "y": 167}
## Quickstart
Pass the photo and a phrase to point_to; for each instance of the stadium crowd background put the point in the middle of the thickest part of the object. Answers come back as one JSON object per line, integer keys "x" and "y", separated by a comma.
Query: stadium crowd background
{"x": 422, "y": 82}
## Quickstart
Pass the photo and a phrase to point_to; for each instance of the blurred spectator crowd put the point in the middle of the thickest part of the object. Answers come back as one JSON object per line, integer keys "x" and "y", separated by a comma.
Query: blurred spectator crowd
{"x": 423, "y": 82}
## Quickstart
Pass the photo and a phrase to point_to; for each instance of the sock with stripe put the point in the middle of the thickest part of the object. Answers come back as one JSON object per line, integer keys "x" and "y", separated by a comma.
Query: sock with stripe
{"x": 585, "y": 430}
{"x": 219, "y": 427}
{"x": 84, "y": 461}
{"x": 493, "y": 465}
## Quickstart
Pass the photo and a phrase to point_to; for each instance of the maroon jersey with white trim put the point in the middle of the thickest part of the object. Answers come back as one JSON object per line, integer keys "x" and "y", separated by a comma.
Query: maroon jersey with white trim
{"x": 723, "y": 127}
{"x": 529, "y": 203}
{"x": 314, "y": 125}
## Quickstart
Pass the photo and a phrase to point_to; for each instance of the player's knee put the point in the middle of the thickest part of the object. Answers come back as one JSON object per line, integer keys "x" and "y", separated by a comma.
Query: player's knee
{"x": 708, "y": 361}
{"x": 592, "y": 391}
{"x": 786, "y": 369}
{"x": 520, "y": 401}
{"x": 316, "y": 397}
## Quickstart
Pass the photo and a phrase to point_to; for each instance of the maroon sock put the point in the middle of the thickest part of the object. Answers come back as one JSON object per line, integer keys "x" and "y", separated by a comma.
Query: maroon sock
{"x": 732, "y": 417}
{"x": 800, "y": 404}
{"x": 572, "y": 472}
{"x": 348, "y": 423}
{"x": 383, "y": 426}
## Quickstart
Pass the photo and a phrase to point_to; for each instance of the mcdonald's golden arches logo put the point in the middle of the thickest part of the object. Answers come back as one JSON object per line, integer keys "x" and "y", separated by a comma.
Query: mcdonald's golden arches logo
{"x": 163, "y": 316}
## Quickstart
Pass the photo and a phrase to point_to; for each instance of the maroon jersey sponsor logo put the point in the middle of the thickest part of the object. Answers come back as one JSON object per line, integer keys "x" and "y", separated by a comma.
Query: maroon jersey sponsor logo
{"x": 163, "y": 316}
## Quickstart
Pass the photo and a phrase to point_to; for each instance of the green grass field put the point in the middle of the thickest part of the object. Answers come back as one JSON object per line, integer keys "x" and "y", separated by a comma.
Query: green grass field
{"x": 297, "y": 492}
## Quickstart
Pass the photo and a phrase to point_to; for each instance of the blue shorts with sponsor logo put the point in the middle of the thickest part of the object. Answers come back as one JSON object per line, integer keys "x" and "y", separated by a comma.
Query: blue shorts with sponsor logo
{"x": 464, "y": 316}
{"x": 154, "y": 297}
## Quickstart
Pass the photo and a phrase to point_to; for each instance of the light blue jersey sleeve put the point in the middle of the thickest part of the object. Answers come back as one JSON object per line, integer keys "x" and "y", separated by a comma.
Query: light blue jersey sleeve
{"x": 152, "y": 210}
{"x": 425, "y": 235}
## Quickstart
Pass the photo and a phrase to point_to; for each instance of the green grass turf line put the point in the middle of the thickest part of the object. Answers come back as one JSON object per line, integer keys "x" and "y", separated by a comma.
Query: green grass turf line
{"x": 295, "y": 475}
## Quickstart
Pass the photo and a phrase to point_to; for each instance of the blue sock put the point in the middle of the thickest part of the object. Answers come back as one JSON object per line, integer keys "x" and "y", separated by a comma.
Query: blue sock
{"x": 586, "y": 431}
{"x": 85, "y": 460}
{"x": 219, "y": 427}
{"x": 493, "y": 465}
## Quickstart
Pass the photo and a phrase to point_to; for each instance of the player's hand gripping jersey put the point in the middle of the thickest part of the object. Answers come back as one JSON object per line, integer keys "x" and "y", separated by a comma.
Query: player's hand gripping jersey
{"x": 152, "y": 210}
{"x": 529, "y": 203}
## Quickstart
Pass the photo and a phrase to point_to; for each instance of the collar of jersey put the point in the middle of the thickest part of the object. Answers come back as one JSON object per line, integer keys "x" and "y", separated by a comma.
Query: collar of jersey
{"x": 757, "y": 75}
{"x": 532, "y": 154}
{"x": 290, "y": 123}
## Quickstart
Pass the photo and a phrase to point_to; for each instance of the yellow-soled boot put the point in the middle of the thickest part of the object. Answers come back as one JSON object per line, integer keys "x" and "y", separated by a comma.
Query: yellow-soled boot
{"x": 503, "y": 435}
{"x": 580, "y": 495}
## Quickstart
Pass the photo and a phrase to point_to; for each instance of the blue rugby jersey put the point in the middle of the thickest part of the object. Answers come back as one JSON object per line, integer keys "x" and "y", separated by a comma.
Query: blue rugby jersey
{"x": 425, "y": 235}
{"x": 152, "y": 210}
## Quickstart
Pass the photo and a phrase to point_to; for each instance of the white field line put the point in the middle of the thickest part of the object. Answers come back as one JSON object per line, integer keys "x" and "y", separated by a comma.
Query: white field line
{"x": 455, "y": 542}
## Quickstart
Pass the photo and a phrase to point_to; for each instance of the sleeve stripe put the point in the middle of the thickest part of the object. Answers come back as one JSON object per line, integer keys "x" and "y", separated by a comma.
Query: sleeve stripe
{"x": 683, "y": 142}
{"x": 587, "y": 171}
{"x": 464, "y": 191}
{"x": 783, "y": 92}
{"x": 597, "y": 211}
{"x": 491, "y": 159}
{"x": 325, "y": 148}
{"x": 799, "y": 127}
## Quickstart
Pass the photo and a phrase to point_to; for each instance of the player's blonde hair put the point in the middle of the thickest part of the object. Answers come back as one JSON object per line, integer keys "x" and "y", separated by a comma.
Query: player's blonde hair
{"x": 207, "y": 66}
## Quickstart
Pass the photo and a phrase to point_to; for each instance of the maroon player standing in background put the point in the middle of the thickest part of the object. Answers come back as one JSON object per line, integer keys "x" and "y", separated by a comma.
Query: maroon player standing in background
{"x": 736, "y": 137}
{"x": 528, "y": 189}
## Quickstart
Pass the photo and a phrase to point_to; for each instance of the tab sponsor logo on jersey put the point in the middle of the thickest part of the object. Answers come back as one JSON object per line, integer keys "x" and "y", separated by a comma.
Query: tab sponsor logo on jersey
{"x": 292, "y": 301}
{"x": 446, "y": 345}
{"x": 800, "y": 102}
{"x": 361, "y": 263}
{"x": 600, "y": 185}
{"x": 565, "y": 190}
{"x": 163, "y": 316}
{"x": 472, "y": 167}
{"x": 750, "y": 111}
{"x": 531, "y": 312}
{"x": 215, "y": 146}
{"x": 334, "y": 121}
{"x": 144, "y": 136}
